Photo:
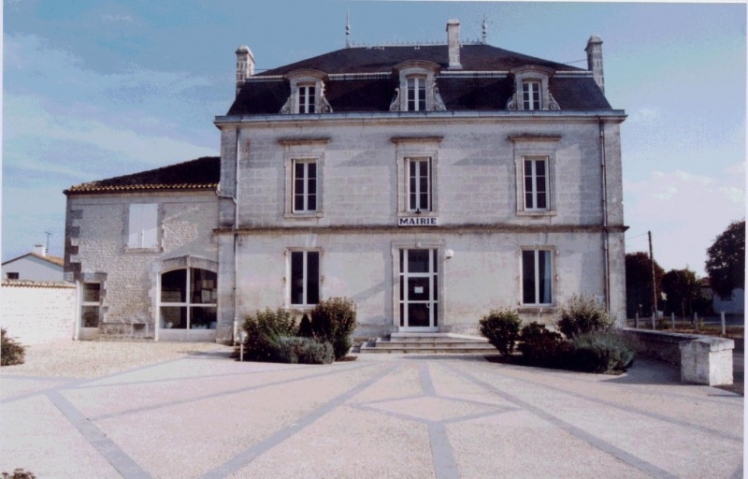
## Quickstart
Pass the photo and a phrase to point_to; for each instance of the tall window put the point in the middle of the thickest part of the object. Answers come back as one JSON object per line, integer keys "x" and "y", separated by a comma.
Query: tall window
{"x": 536, "y": 183}
{"x": 142, "y": 226}
{"x": 531, "y": 95}
{"x": 416, "y": 93}
{"x": 304, "y": 186}
{"x": 306, "y": 99}
{"x": 91, "y": 305}
{"x": 304, "y": 278}
{"x": 188, "y": 299}
{"x": 419, "y": 185}
{"x": 536, "y": 277}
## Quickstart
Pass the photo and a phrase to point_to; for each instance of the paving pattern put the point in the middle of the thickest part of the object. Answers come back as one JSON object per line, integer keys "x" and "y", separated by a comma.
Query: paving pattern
{"x": 206, "y": 416}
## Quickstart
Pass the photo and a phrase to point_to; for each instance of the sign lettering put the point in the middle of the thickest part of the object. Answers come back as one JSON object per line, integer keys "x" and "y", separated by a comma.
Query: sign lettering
{"x": 416, "y": 221}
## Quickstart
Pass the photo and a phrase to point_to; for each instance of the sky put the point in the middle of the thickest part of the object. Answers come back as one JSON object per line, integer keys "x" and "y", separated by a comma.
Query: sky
{"x": 94, "y": 89}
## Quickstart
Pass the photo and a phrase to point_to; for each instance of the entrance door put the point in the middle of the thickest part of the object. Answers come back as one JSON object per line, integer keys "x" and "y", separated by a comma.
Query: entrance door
{"x": 418, "y": 290}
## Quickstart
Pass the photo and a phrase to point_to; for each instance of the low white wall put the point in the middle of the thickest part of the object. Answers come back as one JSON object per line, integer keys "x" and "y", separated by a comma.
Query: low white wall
{"x": 38, "y": 312}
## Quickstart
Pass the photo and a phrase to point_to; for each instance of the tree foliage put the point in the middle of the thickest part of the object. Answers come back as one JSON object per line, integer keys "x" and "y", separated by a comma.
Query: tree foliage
{"x": 639, "y": 284}
{"x": 683, "y": 291}
{"x": 725, "y": 262}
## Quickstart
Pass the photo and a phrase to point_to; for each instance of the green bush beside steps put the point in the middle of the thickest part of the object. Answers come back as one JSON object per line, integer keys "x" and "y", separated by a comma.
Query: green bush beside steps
{"x": 589, "y": 341}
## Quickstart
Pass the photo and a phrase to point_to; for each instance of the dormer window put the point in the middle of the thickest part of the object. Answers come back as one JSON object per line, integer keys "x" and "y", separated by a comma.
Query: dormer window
{"x": 531, "y": 89}
{"x": 417, "y": 90}
{"x": 307, "y": 93}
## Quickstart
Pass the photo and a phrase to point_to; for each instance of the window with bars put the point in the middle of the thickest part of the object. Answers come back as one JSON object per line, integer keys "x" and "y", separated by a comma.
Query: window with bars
{"x": 536, "y": 183}
{"x": 419, "y": 185}
{"x": 416, "y": 93}
{"x": 304, "y": 285}
{"x": 537, "y": 272}
{"x": 304, "y": 186}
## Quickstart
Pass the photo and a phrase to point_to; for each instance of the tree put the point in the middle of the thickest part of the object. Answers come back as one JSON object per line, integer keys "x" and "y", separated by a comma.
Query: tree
{"x": 639, "y": 284}
{"x": 683, "y": 291}
{"x": 725, "y": 263}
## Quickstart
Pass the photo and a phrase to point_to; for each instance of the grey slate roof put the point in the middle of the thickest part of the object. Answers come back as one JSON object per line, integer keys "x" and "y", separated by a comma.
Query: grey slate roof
{"x": 199, "y": 174}
{"x": 265, "y": 93}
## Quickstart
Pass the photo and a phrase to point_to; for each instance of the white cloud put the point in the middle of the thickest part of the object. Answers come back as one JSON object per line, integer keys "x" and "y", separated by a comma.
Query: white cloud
{"x": 644, "y": 115}
{"x": 117, "y": 18}
{"x": 685, "y": 213}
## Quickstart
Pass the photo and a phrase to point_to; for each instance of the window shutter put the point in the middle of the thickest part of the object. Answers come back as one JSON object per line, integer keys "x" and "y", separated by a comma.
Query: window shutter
{"x": 150, "y": 225}
{"x": 135, "y": 226}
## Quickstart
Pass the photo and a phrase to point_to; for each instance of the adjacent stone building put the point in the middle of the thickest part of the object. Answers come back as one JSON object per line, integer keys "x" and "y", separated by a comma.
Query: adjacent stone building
{"x": 428, "y": 183}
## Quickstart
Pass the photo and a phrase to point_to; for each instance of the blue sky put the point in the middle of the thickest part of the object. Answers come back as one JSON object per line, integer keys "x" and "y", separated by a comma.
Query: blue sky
{"x": 94, "y": 89}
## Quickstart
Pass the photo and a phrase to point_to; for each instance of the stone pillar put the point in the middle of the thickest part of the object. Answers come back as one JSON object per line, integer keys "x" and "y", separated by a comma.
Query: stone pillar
{"x": 453, "y": 43}
{"x": 707, "y": 360}
{"x": 595, "y": 60}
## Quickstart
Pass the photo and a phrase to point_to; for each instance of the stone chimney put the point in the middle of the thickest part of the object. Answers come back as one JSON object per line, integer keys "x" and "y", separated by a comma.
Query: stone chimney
{"x": 453, "y": 43}
{"x": 40, "y": 249}
{"x": 245, "y": 66}
{"x": 595, "y": 60}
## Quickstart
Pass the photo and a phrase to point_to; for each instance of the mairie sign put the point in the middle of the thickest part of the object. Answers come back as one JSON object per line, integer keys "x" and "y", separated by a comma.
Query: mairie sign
{"x": 416, "y": 221}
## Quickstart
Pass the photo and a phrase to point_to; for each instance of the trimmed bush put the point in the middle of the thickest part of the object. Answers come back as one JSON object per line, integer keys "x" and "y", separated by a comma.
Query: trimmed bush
{"x": 501, "y": 328}
{"x": 334, "y": 320}
{"x": 264, "y": 331}
{"x": 304, "y": 350}
{"x": 305, "y": 327}
{"x": 12, "y": 351}
{"x": 19, "y": 474}
{"x": 582, "y": 315}
{"x": 541, "y": 346}
{"x": 607, "y": 352}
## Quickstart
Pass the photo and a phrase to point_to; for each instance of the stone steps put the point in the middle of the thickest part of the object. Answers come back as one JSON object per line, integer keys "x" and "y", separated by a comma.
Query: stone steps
{"x": 428, "y": 343}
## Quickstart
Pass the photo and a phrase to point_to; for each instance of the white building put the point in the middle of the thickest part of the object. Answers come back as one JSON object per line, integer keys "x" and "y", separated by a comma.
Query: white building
{"x": 428, "y": 183}
{"x": 36, "y": 265}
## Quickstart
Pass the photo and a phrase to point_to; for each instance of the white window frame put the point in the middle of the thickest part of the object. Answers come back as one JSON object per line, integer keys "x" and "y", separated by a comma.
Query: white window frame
{"x": 535, "y": 147}
{"x": 188, "y": 304}
{"x": 301, "y": 100}
{"x": 535, "y": 181}
{"x": 537, "y": 78}
{"x": 305, "y": 304}
{"x": 305, "y": 195}
{"x": 416, "y": 148}
{"x": 419, "y": 72}
{"x": 418, "y": 163}
{"x": 303, "y": 150}
{"x": 531, "y": 97}
{"x": 89, "y": 304}
{"x": 415, "y": 93}
{"x": 538, "y": 276}
{"x": 306, "y": 98}
{"x": 142, "y": 227}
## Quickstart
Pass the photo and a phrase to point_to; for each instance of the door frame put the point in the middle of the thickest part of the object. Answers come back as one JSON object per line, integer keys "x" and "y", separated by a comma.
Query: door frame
{"x": 398, "y": 320}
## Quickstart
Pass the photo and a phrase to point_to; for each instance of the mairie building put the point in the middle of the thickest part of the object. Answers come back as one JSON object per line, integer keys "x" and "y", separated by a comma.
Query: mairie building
{"x": 428, "y": 183}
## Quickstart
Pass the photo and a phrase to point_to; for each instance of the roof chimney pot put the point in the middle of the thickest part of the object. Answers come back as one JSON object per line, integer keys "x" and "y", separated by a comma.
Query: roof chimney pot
{"x": 40, "y": 249}
{"x": 453, "y": 43}
{"x": 595, "y": 60}
{"x": 245, "y": 66}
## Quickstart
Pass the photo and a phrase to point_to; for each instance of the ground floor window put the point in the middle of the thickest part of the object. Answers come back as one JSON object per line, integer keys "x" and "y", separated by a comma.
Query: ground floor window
{"x": 536, "y": 277}
{"x": 188, "y": 299}
{"x": 91, "y": 305}
{"x": 304, "y": 278}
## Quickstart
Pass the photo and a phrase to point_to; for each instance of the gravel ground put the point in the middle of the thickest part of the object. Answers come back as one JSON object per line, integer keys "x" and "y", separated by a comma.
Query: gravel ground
{"x": 90, "y": 359}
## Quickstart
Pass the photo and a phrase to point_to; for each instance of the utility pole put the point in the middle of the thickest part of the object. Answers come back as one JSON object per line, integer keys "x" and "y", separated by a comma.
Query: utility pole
{"x": 654, "y": 280}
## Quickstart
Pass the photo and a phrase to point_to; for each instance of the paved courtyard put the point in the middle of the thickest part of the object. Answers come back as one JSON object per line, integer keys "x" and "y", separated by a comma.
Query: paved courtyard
{"x": 200, "y": 414}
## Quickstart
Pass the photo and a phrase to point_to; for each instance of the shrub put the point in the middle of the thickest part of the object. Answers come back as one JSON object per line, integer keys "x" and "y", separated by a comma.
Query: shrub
{"x": 334, "y": 320}
{"x": 607, "y": 352}
{"x": 12, "y": 351}
{"x": 582, "y": 315}
{"x": 501, "y": 328}
{"x": 304, "y": 350}
{"x": 19, "y": 474}
{"x": 305, "y": 327}
{"x": 264, "y": 331}
{"x": 540, "y": 346}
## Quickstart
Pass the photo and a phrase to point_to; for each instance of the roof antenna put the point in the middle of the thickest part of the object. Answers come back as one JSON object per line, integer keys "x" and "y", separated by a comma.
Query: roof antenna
{"x": 348, "y": 29}
{"x": 485, "y": 30}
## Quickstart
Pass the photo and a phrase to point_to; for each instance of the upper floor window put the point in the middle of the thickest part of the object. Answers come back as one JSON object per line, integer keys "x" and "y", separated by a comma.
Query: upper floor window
{"x": 536, "y": 183}
{"x": 419, "y": 185}
{"x": 417, "y": 90}
{"x": 304, "y": 186}
{"x": 537, "y": 272}
{"x": 304, "y": 285}
{"x": 531, "y": 95}
{"x": 416, "y": 93}
{"x": 142, "y": 232}
{"x": 307, "y": 93}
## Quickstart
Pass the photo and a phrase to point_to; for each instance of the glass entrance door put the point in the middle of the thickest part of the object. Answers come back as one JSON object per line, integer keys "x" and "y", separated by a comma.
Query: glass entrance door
{"x": 418, "y": 290}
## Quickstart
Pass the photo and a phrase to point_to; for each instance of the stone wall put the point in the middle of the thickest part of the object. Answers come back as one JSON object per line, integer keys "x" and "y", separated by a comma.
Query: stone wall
{"x": 38, "y": 312}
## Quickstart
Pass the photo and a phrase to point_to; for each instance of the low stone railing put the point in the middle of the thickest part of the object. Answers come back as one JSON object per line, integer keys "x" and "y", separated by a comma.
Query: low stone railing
{"x": 702, "y": 359}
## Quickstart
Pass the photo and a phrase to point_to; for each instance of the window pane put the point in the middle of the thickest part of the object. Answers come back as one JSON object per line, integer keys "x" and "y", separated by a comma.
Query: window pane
{"x": 174, "y": 317}
{"x": 418, "y": 289}
{"x": 436, "y": 286}
{"x": 544, "y": 269}
{"x": 297, "y": 277}
{"x": 528, "y": 277}
{"x": 204, "y": 287}
{"x": 90, "y": 316}
{"x": 173, "y": 286}
{"x": 418, "y": 261}
{"x": 91, "y": 292}
{"x": 418, "y": 314}
{"x": 203, "y": 318}
{"x": 312, "y": 277}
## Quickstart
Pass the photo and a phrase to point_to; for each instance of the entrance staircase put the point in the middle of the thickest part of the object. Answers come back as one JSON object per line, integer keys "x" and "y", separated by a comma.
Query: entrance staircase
{"x": 428, "y": 343}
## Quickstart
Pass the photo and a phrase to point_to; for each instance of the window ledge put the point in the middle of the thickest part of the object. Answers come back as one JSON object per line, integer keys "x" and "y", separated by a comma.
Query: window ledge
{"x": 537, "y": 213}
{"x": 300, "y": 308}
{"x": 129, "y": 249}
{"x": 303, "y": 216}
{"x": 413, "y": 214}
{"x": 532, "y": 309}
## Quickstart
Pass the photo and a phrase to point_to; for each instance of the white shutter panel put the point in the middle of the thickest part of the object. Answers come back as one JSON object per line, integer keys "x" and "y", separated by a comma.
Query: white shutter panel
{"x": 150, "y": 225}
{"x": 134, "y": 229}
